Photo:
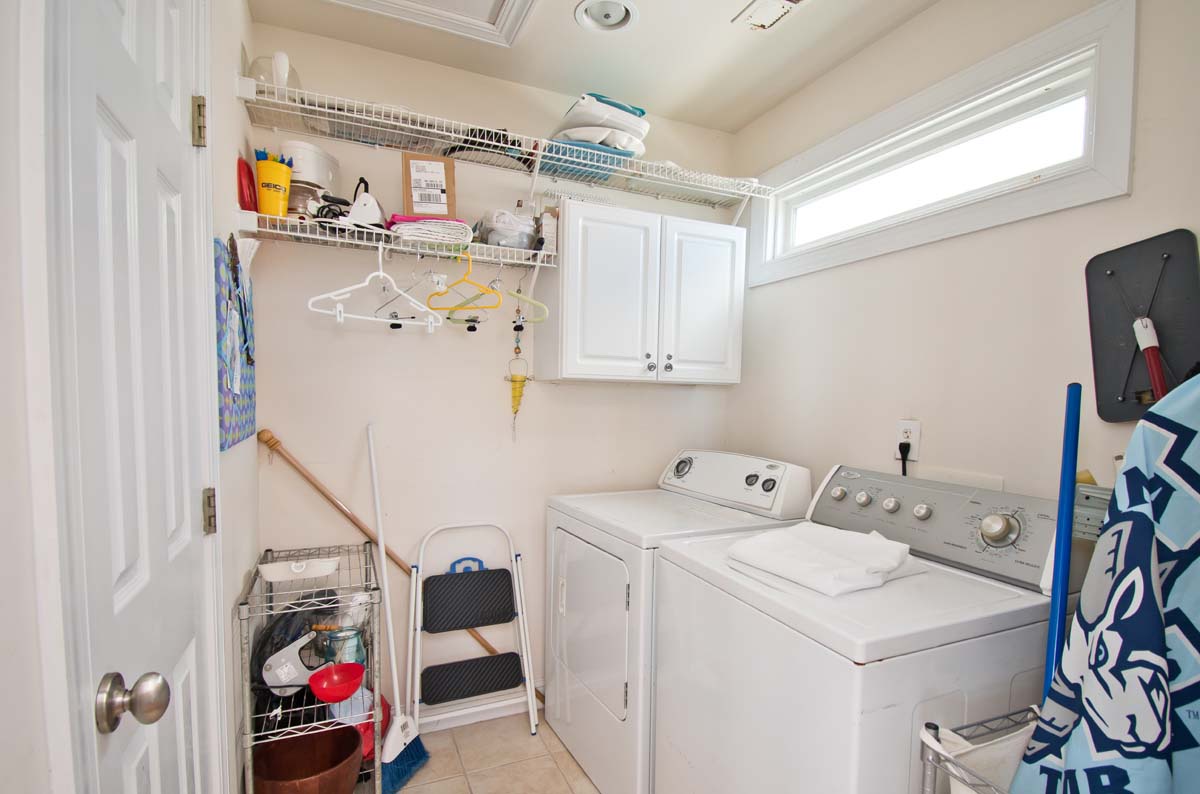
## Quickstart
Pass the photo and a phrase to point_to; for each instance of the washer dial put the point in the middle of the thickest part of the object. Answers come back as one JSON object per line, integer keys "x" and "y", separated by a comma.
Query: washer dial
{"x": 999, "y": 529}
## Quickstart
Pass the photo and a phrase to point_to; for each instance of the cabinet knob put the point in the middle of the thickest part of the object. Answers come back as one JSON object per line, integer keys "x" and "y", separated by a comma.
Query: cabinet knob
{"x": 652, "y": 366}
{"x": 669, "y": 367}
{"x": 647, "y": 356}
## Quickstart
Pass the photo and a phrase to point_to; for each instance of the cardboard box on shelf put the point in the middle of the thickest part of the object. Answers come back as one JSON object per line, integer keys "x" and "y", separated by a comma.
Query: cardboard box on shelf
{"x": 429, "y": 186}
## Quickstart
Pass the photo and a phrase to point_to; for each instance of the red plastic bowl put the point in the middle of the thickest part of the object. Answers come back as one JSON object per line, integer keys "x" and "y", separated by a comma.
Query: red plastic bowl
{"x": 335, "y": 683}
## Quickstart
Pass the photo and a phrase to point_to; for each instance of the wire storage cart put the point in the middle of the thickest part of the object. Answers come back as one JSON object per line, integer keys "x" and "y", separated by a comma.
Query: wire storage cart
{"x": 933, "y": 760}
{"x": 303, "y": 609}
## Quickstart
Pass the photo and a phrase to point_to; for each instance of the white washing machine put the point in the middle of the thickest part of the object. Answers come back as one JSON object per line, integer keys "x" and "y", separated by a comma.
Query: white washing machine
{"x": 758, "y": 690}
{"x": 600, "y": 586}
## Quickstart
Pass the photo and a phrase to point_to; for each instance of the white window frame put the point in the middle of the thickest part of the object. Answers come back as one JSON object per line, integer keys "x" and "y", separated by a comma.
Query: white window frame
{"x": 1103, "y": 172}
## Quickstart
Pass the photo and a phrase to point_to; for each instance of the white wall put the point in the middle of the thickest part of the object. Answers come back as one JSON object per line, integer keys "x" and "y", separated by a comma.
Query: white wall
{"x": 440, "y": 403}
{"x": 977, "y": 336}
{"x": 228, "y": 131}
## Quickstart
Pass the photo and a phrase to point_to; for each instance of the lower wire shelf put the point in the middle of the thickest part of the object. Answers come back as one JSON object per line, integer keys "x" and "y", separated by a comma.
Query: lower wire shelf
{"x": 328, "y": 233}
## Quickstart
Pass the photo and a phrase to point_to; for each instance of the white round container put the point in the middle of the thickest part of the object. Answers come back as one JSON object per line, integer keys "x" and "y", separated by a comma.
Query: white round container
{"x": 312, "y": 165}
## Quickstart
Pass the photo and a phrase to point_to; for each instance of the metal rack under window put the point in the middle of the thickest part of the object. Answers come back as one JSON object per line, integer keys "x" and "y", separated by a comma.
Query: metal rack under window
{"x": 396, "y": 127}
{"x": 349, "y": 595}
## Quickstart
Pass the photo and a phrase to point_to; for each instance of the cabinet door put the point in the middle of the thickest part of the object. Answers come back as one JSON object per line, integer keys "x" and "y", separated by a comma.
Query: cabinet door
{"x": 610, "y": 272}
{"x": 704, "y": 283}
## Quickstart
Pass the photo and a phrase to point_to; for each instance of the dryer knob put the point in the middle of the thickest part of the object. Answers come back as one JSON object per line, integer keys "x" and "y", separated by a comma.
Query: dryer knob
{"x": 922, "y": 512}
{"x": 863, "y": 498}
{"x": 999, "y": 529}
{"x": 838, "y": 493}
{"x": 891, "y": 504}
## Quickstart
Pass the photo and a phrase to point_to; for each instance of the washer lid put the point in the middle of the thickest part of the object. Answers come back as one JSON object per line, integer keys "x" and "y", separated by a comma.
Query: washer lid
{"x": 647, "y": 518}
{"x": 940, "y": 606}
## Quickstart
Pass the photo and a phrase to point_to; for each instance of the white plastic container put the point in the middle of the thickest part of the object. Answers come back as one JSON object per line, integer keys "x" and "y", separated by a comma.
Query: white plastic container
{"x": 509, "y": 229}
{"x": 312, "y": 165}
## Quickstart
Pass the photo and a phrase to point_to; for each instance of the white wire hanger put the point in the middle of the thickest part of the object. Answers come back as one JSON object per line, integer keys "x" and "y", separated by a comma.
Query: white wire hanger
{"x": 424, "y": 317}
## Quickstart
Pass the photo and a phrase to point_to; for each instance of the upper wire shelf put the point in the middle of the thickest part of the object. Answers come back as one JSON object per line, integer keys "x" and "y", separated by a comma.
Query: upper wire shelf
{"x": 273, "y": 227}
{"x": 396, "y": 127}
{"x": 352, "y": 584}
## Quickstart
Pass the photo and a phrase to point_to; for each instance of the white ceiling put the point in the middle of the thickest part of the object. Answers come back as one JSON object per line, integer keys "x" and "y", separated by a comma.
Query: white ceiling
{"x": 683, "y": 59}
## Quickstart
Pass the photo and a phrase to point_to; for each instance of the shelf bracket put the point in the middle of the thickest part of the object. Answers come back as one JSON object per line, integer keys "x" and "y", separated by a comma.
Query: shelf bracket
{"x": 533, "y": 178}
{"x": 737, "y": 216}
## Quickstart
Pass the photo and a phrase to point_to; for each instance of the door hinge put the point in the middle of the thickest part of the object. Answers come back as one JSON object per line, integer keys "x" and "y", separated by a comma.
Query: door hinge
{"x": 626, "y": 694}
{"x": 199, "y": 121}
{"x": 626, "y": 598}
{"x": 209, "y": 498}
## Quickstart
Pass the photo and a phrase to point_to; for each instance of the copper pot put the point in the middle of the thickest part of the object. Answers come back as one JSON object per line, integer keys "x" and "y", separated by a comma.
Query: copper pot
{"x": 316, "y": 763}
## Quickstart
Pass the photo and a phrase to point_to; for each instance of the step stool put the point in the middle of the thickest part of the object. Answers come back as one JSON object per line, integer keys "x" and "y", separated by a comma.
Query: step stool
{"x": 469, "y": 599}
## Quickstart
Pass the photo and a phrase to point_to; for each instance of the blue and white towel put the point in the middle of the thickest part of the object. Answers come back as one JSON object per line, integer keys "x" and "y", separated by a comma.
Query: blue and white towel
{"x": 1123, "y": 714}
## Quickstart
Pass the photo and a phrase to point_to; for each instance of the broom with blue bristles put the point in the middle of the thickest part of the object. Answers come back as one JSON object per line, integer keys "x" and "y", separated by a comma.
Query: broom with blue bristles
{"x": 403, "y": 751}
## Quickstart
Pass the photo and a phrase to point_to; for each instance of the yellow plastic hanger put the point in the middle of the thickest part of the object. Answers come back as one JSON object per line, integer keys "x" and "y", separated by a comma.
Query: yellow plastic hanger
{"x": 466, "y": 279}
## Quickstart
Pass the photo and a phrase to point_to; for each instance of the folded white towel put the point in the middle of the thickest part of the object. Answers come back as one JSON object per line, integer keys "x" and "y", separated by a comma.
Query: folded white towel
{"x": 828, "y": 560}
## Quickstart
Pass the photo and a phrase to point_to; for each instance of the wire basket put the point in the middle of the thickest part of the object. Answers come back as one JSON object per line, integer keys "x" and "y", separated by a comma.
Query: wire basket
{"x": 282, "y": 606}
{"x": 933, "y": 760}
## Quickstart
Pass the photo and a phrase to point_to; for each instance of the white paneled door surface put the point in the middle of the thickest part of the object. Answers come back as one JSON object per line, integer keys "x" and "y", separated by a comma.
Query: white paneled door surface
{"x": 132, "y": 388}
{"x": 703, "y": 284}
{"x": 611, "y": 291}
{"x": 593, "y": 622}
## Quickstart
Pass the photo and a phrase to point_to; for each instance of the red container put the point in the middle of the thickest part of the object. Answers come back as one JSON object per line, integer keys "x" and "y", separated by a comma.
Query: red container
{"x": 335, "y": 683}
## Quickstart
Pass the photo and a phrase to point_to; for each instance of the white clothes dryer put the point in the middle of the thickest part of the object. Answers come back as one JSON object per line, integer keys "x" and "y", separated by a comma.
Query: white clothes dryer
{"x": 600, "y": 585}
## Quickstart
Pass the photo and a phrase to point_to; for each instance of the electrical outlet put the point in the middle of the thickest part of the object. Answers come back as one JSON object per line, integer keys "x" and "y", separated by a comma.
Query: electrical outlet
{"x": 908, "y": 430}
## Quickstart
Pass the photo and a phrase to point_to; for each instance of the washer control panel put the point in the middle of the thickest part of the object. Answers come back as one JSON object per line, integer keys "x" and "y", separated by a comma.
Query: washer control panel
{"x": 1002, "y": 535}
{"x": 761, "y": 486}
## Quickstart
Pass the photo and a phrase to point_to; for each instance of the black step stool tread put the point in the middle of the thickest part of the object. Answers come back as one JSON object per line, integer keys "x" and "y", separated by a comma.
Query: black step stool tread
{"x": 470, "y": 678}
{"x": 467, "y": 600}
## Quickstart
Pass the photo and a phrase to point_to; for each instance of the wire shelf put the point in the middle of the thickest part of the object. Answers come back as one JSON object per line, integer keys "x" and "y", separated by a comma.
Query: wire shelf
{"x": 352, "y": 585}
{"x": 276, "y": 717}
{"x": 397, "y": 127}
{"x": 935, "y": 761}
{"x": 274, "y": 615}
{"x": 273, "y": 227}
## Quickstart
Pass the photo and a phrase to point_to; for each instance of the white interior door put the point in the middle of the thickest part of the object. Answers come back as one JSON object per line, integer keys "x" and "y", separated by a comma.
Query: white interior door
{"x": 611, "y": 282}
{"x": 704, "y": 283}
{"x": 131, "y": 383}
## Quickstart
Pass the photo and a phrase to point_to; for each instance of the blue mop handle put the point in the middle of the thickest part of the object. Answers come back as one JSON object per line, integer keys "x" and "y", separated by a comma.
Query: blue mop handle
{"x": 1062, "y": 538}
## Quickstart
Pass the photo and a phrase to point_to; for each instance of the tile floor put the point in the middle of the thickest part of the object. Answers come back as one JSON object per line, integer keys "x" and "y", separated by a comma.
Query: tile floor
{"x": 498, "y": 757}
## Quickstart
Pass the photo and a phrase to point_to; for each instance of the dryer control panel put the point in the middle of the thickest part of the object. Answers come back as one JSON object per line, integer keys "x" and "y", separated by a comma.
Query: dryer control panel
{"x": 1003, "y": 535}
{"x": 761, "y": 486}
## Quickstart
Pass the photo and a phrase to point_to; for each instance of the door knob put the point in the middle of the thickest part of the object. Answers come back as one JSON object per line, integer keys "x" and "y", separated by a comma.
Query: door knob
{"x": 651, "y": 366}
{"x": 147, "y": 700}
{"x": 669, "y": 367}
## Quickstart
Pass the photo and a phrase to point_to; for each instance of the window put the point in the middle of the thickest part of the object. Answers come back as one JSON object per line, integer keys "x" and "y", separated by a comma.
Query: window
{"x": 1043, "y": 126}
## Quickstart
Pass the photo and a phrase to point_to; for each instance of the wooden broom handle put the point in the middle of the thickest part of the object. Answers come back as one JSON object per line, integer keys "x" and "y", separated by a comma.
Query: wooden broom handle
{"x": 271, "y": 442}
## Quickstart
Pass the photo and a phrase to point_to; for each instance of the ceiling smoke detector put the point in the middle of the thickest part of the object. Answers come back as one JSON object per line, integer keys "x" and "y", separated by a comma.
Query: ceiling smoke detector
{"x": 763, "y": 14}
{"x": 606, "y": 15}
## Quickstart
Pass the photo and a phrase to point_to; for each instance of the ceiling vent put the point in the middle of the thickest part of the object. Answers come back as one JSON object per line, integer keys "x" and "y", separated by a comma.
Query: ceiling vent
{"x": 606, "y": 15}
{"x": 763, "y": 14}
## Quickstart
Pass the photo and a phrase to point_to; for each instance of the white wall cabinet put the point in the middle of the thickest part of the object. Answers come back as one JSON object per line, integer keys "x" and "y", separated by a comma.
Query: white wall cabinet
{"x": 639, "y": 296}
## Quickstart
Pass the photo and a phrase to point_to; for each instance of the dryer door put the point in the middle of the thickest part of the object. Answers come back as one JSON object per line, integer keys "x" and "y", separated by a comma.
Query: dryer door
{"x": 591, "y": 611}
